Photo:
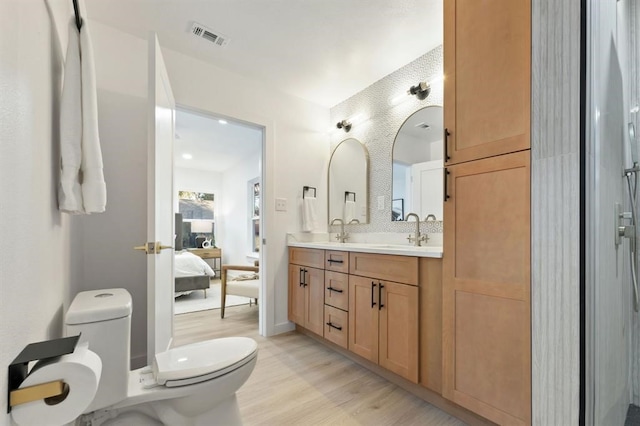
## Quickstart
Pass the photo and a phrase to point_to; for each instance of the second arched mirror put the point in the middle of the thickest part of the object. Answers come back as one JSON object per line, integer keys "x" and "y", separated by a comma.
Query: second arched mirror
{"x": 417, "y": 166}
{"x": 348, "y": 177}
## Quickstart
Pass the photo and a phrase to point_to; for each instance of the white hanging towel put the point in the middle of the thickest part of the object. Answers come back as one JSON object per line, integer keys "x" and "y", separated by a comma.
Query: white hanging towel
{"x": 82, "y": 188}
{"x": 309, "y": 214}
{"x": 349, "y": 211}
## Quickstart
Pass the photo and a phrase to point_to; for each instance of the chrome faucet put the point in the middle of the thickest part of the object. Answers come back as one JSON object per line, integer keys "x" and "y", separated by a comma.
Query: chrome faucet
{"x": 342, "y": 236}
{"x": 430, "y": 216}
{"x": 418, "y": 238}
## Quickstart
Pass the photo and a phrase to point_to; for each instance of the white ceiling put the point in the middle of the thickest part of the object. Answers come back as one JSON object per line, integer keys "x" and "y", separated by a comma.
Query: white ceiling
{"x": 213, "y": 146}
{"x": 324, "y": 51}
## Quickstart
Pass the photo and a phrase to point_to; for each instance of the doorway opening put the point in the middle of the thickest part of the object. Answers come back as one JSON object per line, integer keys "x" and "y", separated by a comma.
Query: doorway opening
{"x": 217, "y": 204}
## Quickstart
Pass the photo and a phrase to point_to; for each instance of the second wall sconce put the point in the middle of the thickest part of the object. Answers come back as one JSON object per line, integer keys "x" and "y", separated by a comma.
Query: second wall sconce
{"x": 421, "y": 90}
{"x": 344, "y": 124}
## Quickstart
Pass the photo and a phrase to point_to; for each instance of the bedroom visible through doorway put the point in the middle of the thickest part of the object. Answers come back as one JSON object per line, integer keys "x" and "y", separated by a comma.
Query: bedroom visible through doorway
{"x": 217, "y": 183}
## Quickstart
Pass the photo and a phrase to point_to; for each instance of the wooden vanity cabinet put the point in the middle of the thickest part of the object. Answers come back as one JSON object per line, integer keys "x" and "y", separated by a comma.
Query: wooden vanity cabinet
{"x": 487, "y": 78}
{"x": 306, "y": 288}
{"x": 383, "y": 315}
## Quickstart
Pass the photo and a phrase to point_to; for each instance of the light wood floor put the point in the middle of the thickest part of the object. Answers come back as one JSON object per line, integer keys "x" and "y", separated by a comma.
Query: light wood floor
{"x": 298, "y": 381}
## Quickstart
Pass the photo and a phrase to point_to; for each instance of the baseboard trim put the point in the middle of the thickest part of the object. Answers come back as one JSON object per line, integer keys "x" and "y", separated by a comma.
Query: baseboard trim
{"x": 283, "y": 327}
{"x": 421, "y": 392}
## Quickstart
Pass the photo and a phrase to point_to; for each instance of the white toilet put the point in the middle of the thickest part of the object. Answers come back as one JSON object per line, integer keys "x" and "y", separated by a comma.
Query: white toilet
{"x": 189, "y": 385}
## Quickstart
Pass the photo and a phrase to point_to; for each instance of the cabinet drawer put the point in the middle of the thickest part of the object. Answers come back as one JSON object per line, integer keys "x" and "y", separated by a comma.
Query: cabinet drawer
{"x": 401, "y": 269}
{"x": 336, "y": 327}
{"x": 337, "y": 261}
{"x": 306, "y": 257}
{"x": 209, "y": 253}
{"x": 336, "y": 290}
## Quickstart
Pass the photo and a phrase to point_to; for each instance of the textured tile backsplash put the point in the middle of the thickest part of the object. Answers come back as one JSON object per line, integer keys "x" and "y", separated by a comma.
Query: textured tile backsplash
{"x": 378, "y": 131}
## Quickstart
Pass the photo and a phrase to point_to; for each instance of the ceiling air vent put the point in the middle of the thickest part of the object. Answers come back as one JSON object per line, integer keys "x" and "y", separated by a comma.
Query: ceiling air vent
{"x": 208, "y": 34}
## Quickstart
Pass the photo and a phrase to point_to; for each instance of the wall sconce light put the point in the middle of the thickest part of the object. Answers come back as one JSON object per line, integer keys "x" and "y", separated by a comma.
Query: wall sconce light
{"x": 344, "y": 124}
{"x": 421, "y": 90}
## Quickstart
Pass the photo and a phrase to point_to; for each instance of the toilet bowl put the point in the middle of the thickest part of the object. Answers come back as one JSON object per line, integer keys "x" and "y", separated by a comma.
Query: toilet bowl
{"x": 188, "y": 385}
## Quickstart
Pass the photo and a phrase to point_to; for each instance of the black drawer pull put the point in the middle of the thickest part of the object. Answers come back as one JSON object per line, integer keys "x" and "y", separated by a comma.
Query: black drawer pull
{"x": 373, "y": 286}
{"x": 305, "y": 277}
{"x": 301, "y": 281}
{"x": 446, "y": 144}
{"x": 335, "y": 261}
{"x": 444, "y": 180}
{"x": 334, "y": 289}
{"x": 334, "y": 326}
{"x": 380, "y": 305}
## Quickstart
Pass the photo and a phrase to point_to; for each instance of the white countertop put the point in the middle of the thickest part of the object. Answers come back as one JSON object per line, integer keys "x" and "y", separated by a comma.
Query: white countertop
{"x": 380, "y": 248}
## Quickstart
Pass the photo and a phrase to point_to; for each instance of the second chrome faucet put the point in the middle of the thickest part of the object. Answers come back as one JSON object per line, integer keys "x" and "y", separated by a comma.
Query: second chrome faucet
{"x": 418, "y": 238}
{"x": 342, "y": 236}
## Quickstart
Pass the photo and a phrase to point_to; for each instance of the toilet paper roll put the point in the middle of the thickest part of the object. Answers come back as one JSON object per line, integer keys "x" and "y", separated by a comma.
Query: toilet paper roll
{"x": 80, "y": 371}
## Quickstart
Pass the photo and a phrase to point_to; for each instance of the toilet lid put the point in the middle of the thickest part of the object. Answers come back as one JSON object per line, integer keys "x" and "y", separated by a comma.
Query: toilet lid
{"x": 202, "y": 361}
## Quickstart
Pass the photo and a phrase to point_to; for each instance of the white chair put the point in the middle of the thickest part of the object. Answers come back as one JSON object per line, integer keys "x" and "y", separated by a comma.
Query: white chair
{"x": 245, "y": 288}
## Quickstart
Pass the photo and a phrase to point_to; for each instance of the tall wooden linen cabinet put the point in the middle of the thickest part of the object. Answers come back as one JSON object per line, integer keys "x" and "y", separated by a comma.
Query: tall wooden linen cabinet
{"x": 486, "y": 262}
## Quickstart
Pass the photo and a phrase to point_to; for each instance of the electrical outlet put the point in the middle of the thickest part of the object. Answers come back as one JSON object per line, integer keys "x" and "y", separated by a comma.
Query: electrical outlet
{"x": 381, "y": 202}
{"x": 281, "y": 204}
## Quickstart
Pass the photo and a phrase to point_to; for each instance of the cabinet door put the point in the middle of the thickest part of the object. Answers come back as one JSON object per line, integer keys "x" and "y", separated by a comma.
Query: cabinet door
{"x": 296, "y": 295}
{"x": 486, "y": 288}
{"x": 363, "y": 317}
{"x": 487, "y": 85}
{"x": 314, "y": 300}
{"x": 398, "y": 322}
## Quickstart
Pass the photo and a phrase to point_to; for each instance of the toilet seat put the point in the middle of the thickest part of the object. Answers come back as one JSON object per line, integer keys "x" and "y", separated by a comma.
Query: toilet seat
{"x": 202, "y": 361}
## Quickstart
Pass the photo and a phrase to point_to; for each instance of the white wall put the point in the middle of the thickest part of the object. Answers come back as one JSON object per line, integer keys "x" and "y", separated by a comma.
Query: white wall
{"x": 36, "y": 266}
{"x": 235, "y": 239}
{"x": 296, "y": 155}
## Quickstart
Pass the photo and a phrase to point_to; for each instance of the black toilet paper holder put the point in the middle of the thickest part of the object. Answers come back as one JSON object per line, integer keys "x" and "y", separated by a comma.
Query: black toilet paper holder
{"x": 19, "y": 369}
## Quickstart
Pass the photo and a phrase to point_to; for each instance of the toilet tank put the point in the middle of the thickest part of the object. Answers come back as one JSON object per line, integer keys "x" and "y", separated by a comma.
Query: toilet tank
{"x": 103, "y": 319}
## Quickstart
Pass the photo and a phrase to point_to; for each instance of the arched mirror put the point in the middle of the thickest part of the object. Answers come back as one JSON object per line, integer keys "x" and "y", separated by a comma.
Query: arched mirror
{"x": 348, "y": 177}
{"x": 417, "y": 166}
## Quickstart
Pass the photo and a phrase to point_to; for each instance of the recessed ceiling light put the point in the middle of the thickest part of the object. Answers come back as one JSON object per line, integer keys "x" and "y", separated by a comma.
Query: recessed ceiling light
{"x": 221, "y": 121}
{"x": 187, "y": 156}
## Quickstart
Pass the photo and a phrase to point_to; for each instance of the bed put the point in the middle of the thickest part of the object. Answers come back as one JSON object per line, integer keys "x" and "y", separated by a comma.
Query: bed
{"x": 191, "y": 273}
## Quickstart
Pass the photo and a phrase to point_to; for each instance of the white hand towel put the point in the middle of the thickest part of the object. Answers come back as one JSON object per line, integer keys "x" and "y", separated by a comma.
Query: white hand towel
{"x": 82, "y": 188}
{"x": 349, "y": 211}
{"x": 69, "y": 190}
{"x": 309, "y": 214}
{"x": 94, "y": 189}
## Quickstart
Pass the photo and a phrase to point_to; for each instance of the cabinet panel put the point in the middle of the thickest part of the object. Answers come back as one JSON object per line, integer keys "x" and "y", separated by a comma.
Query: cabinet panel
{"x": 296, "y": 295}
{"x": 336, "y": 326}
{"x": 487, "y": 66}
{"x": 398, "y": 323}
{"x": 312, "y": 258}
{"x": 314, "y": 300}
{"x": 402, "y": 269}
{"x": 363, "y": 317}
{"x": 336, "y": 290}
{"x": 337, "y": 261}
{"x": 486, "y": 288}
{"x": 431, "y": 323}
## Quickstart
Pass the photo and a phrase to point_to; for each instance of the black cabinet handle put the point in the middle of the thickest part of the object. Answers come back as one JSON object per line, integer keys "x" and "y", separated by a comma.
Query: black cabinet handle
{"x": 446, "y": 144}
{"x": 334, "y": 326}
{"x": 380, "y": 305}
{"x": 373, "y": 286}
{"x": 304, "y": 274}
{"x": 335, "y": 261}
{"x": 444, "y": 182}
{"x": 334, "y": 289}
{"x": 301, "y": 279}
